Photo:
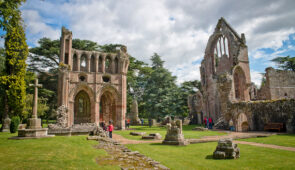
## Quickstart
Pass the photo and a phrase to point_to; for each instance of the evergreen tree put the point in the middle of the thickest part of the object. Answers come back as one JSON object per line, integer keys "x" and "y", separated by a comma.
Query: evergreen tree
{"x": 161, "y": 90}
{"x": 16, "y": 51}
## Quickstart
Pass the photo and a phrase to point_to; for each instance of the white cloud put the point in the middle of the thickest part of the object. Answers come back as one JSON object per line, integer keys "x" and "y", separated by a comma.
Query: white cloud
{"x": 36, "y": 28}
{"x": 256, "y": 77}
{"x": 176, "y": 30}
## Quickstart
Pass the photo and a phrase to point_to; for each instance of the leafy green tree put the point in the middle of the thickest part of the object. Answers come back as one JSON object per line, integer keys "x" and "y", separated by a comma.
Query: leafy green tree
{"x": 16, "y": 51}
{"x": 286, "y": 63}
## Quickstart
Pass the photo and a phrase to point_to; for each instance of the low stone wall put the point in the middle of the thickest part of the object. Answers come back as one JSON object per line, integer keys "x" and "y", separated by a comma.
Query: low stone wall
{"x": 259, "y": 113}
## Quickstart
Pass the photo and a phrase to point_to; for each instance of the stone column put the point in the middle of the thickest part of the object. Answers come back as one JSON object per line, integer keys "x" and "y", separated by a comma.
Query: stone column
{"x": 88, "y": 62}
{"x": 113, "y": 64}
{"x": 96, "y": 63}
{"x": 78, "y": 61}
{"x": 103, "y": 62}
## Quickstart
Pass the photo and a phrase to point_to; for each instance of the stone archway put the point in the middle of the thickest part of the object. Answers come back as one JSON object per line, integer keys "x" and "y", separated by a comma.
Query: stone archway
{"x": 239, "y": 84}
{"x": 107, "y": 107}
{"x": 82, "y": 108}
{"x": 242, "y": 124}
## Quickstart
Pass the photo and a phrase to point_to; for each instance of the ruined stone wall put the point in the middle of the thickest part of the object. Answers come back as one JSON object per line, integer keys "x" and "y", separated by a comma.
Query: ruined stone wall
{"x": 226, "y": 53}
{"x": 280, "y": 83}
{"x": 259, "y": 113}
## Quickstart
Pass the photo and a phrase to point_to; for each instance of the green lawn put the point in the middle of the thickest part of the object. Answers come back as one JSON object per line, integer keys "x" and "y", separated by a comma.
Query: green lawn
{"x": 187, "y": 132}
{"x": 199, "y": 156}
{"x": 282, "y": 140}
{"x": 59, "y": 152}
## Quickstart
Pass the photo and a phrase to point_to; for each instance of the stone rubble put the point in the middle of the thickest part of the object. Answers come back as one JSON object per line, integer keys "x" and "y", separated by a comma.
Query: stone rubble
{"x": 153, "y": 136}
{"x": 226, "y": 149}
{"x": 137, "y": 133}
{"x": 122, "y": 156}
{"x": 174, "y": 134}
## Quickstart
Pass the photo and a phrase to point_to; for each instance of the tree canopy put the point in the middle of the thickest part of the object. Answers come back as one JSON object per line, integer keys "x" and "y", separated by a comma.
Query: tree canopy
{"x": 285, "y": 63}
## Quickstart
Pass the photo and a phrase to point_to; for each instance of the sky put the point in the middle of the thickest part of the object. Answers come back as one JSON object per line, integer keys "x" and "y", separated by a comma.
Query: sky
{"x": 178, "y": 30}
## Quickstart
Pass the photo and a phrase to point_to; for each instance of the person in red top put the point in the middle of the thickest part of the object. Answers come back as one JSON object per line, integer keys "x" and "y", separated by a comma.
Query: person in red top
{"x": 210, "y": 123}
{"x": 205, "y": 121}
{"x": 110, "y": 129}
{"x": 128, "y": 123}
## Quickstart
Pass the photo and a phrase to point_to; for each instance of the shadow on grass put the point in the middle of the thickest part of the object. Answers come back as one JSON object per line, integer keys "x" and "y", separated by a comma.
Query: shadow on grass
{"x": 209, "y": 157}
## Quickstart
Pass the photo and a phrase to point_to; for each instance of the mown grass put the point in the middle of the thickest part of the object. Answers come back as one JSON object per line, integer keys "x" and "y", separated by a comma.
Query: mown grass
{"x": 187, "y": 132}
{"x": 59, "y": 152}
{"x": 281, "y": 140}
{"x": 199, "y": 156}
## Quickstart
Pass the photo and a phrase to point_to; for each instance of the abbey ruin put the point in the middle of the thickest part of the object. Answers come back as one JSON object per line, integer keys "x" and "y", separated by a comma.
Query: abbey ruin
{"x": 92, "y": 85}
{"x": 228, "y": 93}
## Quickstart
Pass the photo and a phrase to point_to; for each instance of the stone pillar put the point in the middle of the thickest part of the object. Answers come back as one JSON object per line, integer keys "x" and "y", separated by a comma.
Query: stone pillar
{"x": 134, "y": 113}
{"x": 113, "y": 64}
{"x": 78, "y": 61}
{"x": 96, "y": 63}
{"x": 103, "y": 63}
{"x": 88, "y": 62}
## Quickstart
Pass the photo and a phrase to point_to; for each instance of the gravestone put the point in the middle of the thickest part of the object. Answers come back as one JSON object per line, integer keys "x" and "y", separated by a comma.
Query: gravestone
{"x": 174, "y": 134}
{"x": 226, "y": 149}
{"x": 6, "y": 125}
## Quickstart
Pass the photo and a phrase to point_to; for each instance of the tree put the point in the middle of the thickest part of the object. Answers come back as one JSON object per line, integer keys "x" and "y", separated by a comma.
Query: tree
{"x": 16, "y": 51}
{"x": 286, "y": 63}
{"x": 160, "y": 91}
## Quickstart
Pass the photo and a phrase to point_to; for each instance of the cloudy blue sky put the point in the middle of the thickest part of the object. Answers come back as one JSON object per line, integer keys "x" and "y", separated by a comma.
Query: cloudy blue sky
{"x": 178, "y": 30}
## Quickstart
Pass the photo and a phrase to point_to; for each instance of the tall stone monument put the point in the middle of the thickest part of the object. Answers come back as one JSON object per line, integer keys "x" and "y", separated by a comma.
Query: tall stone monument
{"x": 134, "y": 113}
{"x": 34, "y": 128}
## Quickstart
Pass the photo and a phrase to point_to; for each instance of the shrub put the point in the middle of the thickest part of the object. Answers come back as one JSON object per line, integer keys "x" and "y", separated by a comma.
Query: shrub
{"x": 15, "y": 120}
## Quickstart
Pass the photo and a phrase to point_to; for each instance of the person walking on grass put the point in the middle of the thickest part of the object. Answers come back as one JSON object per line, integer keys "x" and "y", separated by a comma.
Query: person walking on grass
{"x": 110, "y": 129}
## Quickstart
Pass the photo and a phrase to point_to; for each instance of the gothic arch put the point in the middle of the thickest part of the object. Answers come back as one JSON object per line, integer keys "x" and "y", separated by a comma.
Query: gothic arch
{"x": 75, "y": 62}
{"x": 239, "y": 80}
{"x": 242, "y": 124}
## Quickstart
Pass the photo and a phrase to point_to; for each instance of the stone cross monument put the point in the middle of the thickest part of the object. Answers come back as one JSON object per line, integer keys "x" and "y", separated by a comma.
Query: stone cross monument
{"x": 34, "y": 128}
{"x": 34, "y": 122}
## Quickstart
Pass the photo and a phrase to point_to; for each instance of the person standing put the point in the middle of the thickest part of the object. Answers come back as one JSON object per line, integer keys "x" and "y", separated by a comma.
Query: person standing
{"x": 231, "y": 125}
{"x": 128, "y": 123}
{"x": 205, "y": 121}
{"x": 110, "y": 129}
{"x": 142, "y": 121}
{"x": 210, "y": 123}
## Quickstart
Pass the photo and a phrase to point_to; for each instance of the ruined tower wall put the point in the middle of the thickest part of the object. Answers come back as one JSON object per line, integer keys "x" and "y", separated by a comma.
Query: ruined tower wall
{"x": 95, "y": 73}
{"x": 280, "y": 83}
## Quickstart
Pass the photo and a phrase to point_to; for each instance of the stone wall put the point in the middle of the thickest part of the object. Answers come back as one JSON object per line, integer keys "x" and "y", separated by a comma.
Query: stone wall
{"x": 280, "y": 83}
{"x": 259, "y": 113}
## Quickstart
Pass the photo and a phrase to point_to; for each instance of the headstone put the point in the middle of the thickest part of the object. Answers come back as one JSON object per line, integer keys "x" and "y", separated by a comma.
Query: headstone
{"x": 6, "y": 125}
{"x": 226, "y": 149}
{"x": 174, "y": 134}
{"x": 134, "y": 114}
{"x": 34, "y": 128}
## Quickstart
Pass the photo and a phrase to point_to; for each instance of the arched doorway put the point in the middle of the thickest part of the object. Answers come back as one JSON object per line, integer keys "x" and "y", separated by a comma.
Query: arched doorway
{"x": 242, "y": 123}
{"x": 82, "y": 112}
{"x": 239, "y": 84}
{"x": 107, "y": 107}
